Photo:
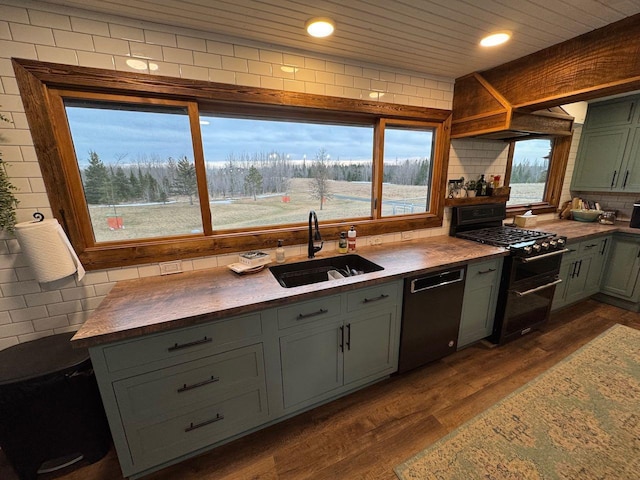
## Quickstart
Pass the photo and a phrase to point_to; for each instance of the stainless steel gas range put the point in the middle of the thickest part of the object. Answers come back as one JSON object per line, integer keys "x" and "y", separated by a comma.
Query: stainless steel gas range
{"x": 530, "y": 273}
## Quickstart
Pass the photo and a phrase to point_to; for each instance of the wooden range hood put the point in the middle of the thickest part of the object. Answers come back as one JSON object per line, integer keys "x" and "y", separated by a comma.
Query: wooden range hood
{"x": 522, "y": 97}
{"x": 479, "y": 110}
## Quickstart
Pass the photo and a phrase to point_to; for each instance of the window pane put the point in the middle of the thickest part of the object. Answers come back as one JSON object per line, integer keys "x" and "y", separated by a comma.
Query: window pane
{"x": 137, "y": 169}
{"x": 268, "y": 173}
{"x": 407, "y": 171}
{"x": 529, "y": 171}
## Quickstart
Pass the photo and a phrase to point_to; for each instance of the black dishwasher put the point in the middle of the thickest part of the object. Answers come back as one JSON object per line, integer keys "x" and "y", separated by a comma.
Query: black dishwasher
{"x": 431, "y": 312}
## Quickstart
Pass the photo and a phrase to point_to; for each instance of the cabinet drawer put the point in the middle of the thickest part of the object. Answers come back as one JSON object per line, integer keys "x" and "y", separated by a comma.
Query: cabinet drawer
{"x": 484, "y": 273}
{"x": 591, "y": 246}
{"x": 159, "y": 442}
{"x": 305, "y": 312}
{"x": 163, "y": 391}
{"x": 182, "y": 345}
{"x": 379, "y": 296}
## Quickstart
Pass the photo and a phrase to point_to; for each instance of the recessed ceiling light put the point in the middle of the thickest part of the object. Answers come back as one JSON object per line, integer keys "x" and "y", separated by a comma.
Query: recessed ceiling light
{"x": 320, "y": 27}
{"x": 494, "y": 39}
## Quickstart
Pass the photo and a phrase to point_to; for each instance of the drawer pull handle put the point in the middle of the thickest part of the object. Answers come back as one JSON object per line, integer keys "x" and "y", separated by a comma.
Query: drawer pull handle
{"x": 186, "y": 387}
{"x": 591, "y": 246}
{"x": 488, "y": 270}
{"x": 217, "y": 418}
{"x": 382, "y": 296}
{"x": 190, "y": 344}
{"x": 302, "y": 316}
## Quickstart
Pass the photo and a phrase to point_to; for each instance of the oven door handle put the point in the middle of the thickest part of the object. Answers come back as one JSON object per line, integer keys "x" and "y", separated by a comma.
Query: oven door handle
{"x": 537, "y": 289}
{"x": 543, "y": 256}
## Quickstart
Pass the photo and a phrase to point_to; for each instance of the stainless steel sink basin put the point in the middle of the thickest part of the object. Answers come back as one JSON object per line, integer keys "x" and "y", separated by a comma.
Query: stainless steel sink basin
{"x": 315, "y": 271}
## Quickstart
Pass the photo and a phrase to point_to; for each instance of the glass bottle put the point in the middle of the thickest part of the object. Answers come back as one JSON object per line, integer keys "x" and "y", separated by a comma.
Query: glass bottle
{"x": 342, "y": 243}
{"x": 280, "y": 253}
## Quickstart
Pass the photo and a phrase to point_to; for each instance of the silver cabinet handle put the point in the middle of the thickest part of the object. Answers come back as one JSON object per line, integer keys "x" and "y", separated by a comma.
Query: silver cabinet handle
{"x": 537, "y": 289}
{"x": 302, "y": 316}
{"x": 186, "y": 387}
{"x": 190, "y": 344}
{"x": 192, "y": 427}
{"x": 375, "y": 299}
{"x": 488, "y": 270}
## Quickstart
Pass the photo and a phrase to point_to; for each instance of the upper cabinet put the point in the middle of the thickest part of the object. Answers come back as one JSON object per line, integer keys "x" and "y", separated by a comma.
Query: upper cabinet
{"x": 609, "y": 152}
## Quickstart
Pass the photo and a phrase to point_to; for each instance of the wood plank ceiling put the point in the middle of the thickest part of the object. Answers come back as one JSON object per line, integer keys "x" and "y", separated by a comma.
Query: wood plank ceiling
{"x": 435, "y": 37}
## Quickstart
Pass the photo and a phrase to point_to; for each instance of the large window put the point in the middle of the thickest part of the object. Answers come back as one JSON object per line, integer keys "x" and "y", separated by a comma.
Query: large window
{"x": 535, "y": 173}
{"x": 529, "y": 171}
{"x": 149, "y": 168}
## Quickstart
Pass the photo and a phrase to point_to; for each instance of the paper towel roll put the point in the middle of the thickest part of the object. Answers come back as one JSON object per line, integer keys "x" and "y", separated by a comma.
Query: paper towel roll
{"x": 48, "y": 250}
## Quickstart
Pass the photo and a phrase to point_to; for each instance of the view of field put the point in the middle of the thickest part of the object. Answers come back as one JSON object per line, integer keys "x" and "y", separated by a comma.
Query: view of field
{"x": 345, "y": 200}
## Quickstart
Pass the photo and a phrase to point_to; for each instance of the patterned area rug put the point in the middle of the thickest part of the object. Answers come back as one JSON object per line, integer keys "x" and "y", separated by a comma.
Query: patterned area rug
{"x": 578, "y": 420}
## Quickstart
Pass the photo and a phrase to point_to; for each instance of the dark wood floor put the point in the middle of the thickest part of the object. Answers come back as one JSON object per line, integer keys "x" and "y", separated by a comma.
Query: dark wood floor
{"x": 364, "y": 435}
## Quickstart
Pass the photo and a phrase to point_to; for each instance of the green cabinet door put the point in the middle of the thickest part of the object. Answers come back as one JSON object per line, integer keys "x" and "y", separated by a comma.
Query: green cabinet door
{"x": 370, "y": 345}
{"x": 578, "y": 274}
{"x": 312, "y": 362}
{"x": 567, "y": 268}
{"x": 599, "y": 249}
{"x": 621, "y": 274}
{"x": 630, "y": 171}
{"x": 479, "y": 303}
{"x": 611, "y": 113}
{"x": 599, "y": 160}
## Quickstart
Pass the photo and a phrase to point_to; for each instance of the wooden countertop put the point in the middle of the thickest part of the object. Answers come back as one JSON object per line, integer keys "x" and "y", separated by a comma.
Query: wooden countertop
{"x": 155, "y": 304}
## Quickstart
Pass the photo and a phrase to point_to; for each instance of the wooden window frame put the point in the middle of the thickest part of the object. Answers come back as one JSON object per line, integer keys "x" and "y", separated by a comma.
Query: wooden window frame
{"x": 39, "y": 83}
{"x": 555, "y": 178}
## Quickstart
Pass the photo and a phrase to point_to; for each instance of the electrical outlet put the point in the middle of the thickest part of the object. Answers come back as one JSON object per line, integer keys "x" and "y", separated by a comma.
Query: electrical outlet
{"x": 375, "y": 240}
{"x": 167, "y": 268}
{"x": 406, "y": 235}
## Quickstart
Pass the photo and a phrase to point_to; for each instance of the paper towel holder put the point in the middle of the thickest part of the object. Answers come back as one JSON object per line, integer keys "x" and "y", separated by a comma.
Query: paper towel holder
{"x": 38, "y": 217}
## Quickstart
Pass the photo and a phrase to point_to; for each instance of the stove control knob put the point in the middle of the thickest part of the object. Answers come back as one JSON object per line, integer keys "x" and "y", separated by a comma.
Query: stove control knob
{"x": 561, "y": 242}
{"x": 553, "y": 243}
{"x": 545, "y": 245}
{"x": 527, "y": 250}
{"x": 536, "y": 248}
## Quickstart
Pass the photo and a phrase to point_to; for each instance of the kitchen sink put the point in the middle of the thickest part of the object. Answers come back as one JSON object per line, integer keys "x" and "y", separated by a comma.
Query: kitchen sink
{"x": 315, "y": 271}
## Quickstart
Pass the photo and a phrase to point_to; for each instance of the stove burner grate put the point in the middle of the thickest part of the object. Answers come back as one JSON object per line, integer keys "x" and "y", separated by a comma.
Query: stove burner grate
{"x": 503, "y": 236}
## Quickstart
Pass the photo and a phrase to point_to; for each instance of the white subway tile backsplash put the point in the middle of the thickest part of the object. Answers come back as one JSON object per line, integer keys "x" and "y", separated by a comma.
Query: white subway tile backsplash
{"x": 326, "y": 77}
{"x": 5, "y": 318}
{"x": 64, "y": 308}
{"x": 93, "y": 27}
{"x": 48, "y": 19}
{"x": 305, "y": 75}
{"x": 31, "y": 34}
{"x": 210, "y": 60}
{"x": 191, "y": 43}
{"x": 302, "y": 87}
{"x": 8, "y": 342}
{"x": 5, "y": 33}
{"x": 270, "y": 56}
{"x": 271, "y": 82}
{"x": 125, "y": 273}
{"x": 14, "y": 14}
{"x": 164, "y": 68}
{"x": 235, "y": 64}
{"x": 248, "y": 79}
{"x": 177, "y": 55}
{"x": 91, "y": 303}
{"x": 30, "y": 313}
{"x": 34, "y": 336}
{"x": 222, "y": 76}
{"x": 19, "y": 288}
{"x": 77, "y": 293}
{"x": 10, "y": 49}
{"x": 260, "y": 68}
{"x": 7, "y": 274}
{"x": 43, "y": 298}
{"x": 220, "y": 48}
{"x": 56, "y": 55}
{"x": 113, "y": 46}
{"x": 14, "y": 329}
{"x": 249, "y": 53}
{"x": 11, "y": 303}
{"x": 145, "y": 50}
{"x": 79, "y": 317}
{"x": 194, "y": 73}
{"x": 160, "y": 38}
{"x": 126, "y": 33}
{"x": 49, "y": 323}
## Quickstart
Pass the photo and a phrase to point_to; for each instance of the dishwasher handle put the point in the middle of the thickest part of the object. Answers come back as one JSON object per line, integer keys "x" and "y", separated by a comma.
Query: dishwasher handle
{"x": 436, "y": 280}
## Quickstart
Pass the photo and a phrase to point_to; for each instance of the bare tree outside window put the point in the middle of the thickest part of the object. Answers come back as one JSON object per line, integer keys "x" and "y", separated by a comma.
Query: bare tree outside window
{"x": 320, "y": 177}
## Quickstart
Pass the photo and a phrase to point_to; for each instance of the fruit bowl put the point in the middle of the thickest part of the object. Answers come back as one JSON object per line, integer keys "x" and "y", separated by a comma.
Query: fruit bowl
{"x": 585, "y": 215}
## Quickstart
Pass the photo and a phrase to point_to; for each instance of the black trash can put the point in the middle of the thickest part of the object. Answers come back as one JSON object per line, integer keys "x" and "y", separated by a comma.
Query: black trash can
{"x": 51, "y": 412}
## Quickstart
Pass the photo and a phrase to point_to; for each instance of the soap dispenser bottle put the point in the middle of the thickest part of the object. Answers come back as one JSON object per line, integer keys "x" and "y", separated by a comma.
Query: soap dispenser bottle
{"x": 342, "y": 243}
{"x": 351, "y": 239}
{"x": 280, "y": 252}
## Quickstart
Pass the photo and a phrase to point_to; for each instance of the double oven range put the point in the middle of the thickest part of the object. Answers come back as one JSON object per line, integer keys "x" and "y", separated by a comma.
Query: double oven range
{"x": 530, "y": 272}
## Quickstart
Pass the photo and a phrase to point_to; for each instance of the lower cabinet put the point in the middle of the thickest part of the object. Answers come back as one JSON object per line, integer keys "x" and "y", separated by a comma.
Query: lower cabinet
{"x": 172, "y": 395}
{"x": 621, "y": 278}
{"x": 479, "y": 304}
{"x": 323, "y": 358}
{"x": 581, "y": 271}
